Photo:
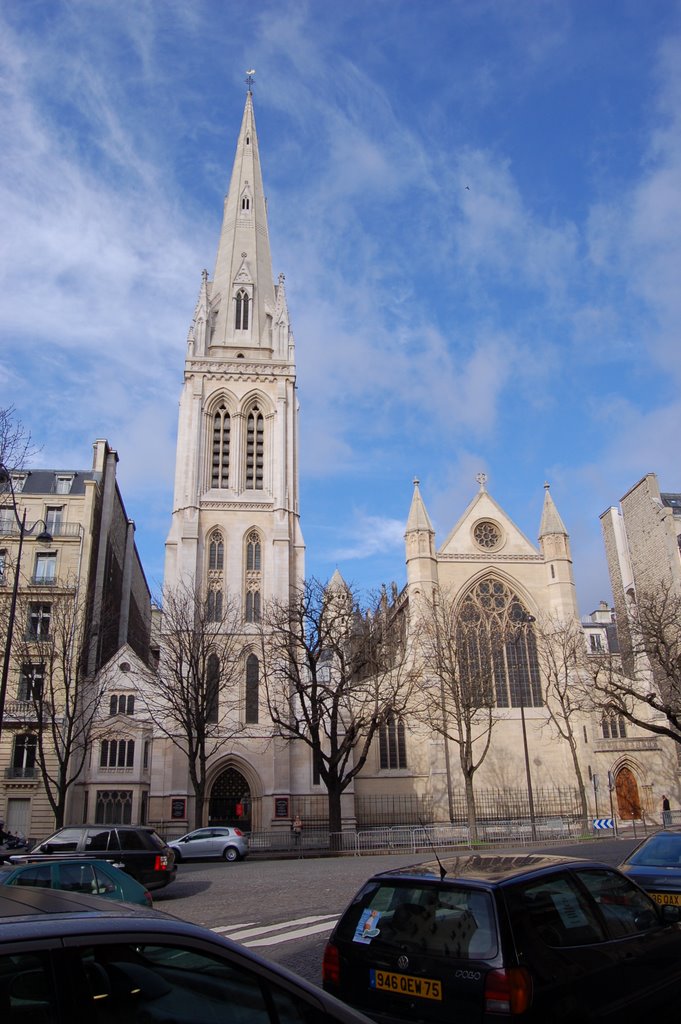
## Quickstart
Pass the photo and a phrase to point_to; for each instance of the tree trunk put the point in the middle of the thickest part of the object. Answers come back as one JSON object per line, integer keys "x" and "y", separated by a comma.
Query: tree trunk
{"x": 335, "y": 814}
{"x": 470, "y": 808}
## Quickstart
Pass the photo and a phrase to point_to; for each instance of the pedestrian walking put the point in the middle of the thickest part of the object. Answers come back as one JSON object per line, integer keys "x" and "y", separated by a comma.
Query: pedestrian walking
{"x": 666, "y": 812}
{"x": 297, "y": 830}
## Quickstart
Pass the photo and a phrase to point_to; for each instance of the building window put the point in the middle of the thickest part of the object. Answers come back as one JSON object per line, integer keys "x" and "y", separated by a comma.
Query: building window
{"x": 113, "y": 807}
{"x": 596, "y": 642}
{"x": 613, "y": 726}
{"x": 24, "y": 756}
{"x": 117, "y": 754}
{"x": 221, "y": 438}
{"x": 212, "y": 688}
{"x": 255, "y": 450}
{"x": 487, "y": 535}
{"x": 214, "y": 605}
{"x": 216, "y": 552}
{"x": 253, "y": 552}
{"x": 45, "y": 568}
{"x": 245, "y": 203}
{"x": 3, "y": 561}
{"x": 31, "y": 681}
{"x": 392, "y": 743}
{"x": 53, "y": 519}
{"x": 63, "y": 484}
{"x": 122, "y": 704}
{"x": 38, "y": 626}
{"x": 253, "y": 606}
{"x": 252, "y": 688}
{"x": 145, "y": 754}
{"x": 496, "y": 637}
{"x": 19, "y": 482}
{"x": 241, "y": 312}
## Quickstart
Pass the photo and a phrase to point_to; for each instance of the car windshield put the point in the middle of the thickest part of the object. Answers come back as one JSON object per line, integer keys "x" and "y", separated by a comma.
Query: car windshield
{"x": 439, "y": 920}
{"x": 662, "y": 850}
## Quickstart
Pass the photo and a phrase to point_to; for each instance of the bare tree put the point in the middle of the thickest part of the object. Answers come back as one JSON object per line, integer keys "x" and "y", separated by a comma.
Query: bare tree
{"x": 459, "y": 647}
{"x": 648, "y": 694}
{"x": 195, "y": 697}
{"x": 51, "y": 653}
{"x": 16, "y": 444}
{"x": 562, "y": 657}
{"x": 333, "y": 673}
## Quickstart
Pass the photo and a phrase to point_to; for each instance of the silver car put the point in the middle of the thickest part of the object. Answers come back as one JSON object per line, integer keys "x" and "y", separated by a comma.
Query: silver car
{"x": 217, "y": 841}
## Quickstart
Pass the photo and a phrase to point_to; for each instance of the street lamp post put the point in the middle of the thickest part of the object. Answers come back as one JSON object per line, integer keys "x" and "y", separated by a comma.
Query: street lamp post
{"x": 526, "y": 620}
{"x": 44, "y": 537}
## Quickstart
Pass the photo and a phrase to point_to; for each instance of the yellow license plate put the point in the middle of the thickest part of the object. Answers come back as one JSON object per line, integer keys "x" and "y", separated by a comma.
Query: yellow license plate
{"x": 667, "y": 899}
{"x": 405, "y": 984}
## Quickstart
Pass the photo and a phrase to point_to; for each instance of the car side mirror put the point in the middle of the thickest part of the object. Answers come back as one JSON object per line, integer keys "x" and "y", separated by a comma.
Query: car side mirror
{"x": 671, "y": 915}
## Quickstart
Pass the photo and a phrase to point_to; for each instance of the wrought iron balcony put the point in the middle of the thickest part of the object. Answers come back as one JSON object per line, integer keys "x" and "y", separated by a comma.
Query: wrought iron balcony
{"x": 21, "y": 772}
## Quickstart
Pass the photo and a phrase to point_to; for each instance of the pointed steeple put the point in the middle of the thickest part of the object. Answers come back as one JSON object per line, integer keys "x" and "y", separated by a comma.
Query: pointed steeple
{"x": 419, "y": 538}
{"x": 554, "y": 544}
{"x": 550, "y": 519}
{"x": 242, "y": 293}
{"x": 418, "y": 520}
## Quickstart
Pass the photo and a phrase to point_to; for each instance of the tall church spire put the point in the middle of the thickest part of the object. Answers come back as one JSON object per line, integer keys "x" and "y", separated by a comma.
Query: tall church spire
{"x": 242, "y": 300}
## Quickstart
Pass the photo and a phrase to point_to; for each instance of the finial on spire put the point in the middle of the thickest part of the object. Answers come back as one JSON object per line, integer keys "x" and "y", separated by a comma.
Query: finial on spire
{"x": 546, "y": 485}
{"x": 482, "y": 480}
{"x": 416, "y": 481}
{"x": 249, "y": 79}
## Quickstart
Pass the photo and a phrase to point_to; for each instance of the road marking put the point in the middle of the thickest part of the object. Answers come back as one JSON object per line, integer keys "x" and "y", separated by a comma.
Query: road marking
{"x": 248, "y": 935}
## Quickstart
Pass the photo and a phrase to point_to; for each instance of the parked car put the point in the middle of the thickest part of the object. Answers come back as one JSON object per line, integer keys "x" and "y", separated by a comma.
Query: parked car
{"x": 135, "y": 848}
{"x": 229, "y": 843}
{"x": 69, "y": 957}
{"x": 484, "y": 938}
{"x": 655, "y": 865}
{"x": 94, "y": 877}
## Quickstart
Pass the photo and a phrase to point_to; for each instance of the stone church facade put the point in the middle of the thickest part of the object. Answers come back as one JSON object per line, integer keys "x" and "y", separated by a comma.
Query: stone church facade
{"x": 235, "y": 533}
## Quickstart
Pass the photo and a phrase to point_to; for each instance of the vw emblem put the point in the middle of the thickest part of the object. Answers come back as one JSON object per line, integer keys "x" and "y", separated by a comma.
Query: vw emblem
{"x": 403, "y": 962}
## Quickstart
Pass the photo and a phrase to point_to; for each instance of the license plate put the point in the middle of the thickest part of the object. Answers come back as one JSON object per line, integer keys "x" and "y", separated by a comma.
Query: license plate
{"x": 667, "y": 899}
{"x": 405, "y": 984}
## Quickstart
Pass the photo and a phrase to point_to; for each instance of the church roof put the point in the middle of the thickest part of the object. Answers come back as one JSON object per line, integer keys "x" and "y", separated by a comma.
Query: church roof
{"x": 550, "y": 519}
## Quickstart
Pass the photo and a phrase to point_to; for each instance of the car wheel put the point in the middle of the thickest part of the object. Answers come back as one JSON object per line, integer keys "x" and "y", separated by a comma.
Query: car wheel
{"x": 178, "y": 855}
{"x": 230, "y": 853}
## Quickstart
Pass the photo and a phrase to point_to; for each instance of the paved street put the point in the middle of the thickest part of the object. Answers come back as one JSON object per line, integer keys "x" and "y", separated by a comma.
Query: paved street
{"x": 285, "y": 909}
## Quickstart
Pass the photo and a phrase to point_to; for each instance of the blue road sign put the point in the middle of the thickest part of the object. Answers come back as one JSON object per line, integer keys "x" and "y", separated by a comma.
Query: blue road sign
{"x": 603, "y": 823}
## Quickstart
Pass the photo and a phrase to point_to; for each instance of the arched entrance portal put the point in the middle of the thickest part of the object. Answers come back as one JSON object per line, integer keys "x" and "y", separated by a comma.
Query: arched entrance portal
{"x": 628, "y": 799}
{"x": 230, "y": 800}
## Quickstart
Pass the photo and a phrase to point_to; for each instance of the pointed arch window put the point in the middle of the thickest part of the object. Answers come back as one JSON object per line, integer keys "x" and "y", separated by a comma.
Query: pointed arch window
{"x": 212, "y": 687}
{"x": 613, "y": 726}
{"x": 253, "y": 606}
{"x": 221, "y": 438}
{"x": 498, "y": 647}
{"x": 255, "y": 450}
{"x": 392, "y": 743}
{"x": 214, "y": 605}
{"x": 252, "y": 688}
{"x": 253, "y": 576}
{"x": 245, "y": 203}
{"x": 253, "y": 552}
{"x": 216, "y": 552}
{"x": 242, "y": 304}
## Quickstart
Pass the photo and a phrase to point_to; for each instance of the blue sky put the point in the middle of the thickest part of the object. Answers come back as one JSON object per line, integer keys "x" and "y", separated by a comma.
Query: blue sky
{"x": 477, "y": 206}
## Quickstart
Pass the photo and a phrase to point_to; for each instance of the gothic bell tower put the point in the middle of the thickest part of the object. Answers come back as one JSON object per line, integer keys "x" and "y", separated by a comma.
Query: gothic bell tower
{"x": 235, "y": 523}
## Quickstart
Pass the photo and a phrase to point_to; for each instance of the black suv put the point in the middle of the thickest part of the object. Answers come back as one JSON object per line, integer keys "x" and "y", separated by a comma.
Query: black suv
{"x": 138, "y": 850}
{"x": 488, "y": 938}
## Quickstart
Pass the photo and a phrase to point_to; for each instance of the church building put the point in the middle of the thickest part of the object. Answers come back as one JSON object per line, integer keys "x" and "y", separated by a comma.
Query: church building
{"x": 235, "y": 534}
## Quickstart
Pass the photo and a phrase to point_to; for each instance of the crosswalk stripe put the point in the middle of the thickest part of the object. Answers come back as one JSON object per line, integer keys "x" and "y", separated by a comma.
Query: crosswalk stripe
{"x": 298, "y": 933}
{"x": 248, "y": 935}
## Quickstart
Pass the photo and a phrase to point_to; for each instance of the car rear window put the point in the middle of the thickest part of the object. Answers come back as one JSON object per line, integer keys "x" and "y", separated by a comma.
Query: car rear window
{"x": 439, "y": 920}
{"x": 153, "y": 839}
{"x": 658, "y": 851}
{"x": 131, "y": 840}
